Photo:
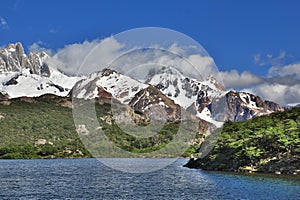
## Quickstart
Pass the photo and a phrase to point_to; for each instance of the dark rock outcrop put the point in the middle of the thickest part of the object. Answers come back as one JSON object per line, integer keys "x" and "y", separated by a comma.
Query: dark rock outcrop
{"x": 12, "y": 81}
{"x": 3, "y": 96}
{"x": 156, "y": 105}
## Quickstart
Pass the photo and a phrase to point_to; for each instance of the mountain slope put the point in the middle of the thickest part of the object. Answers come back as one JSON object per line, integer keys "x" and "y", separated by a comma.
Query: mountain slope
{"x": 156, "y": 105}
{"x": 43, "y": 127}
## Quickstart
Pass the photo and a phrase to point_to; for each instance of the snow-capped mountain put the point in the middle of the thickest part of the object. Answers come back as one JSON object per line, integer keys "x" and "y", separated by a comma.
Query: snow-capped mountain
{"x": 193, "y": 95}
{"x": 14, "y": 59}
{"x": 208, "y": 99}
{"x": 166, "y": 89}
{"x": 292, "y": 105}
{"x": 118, "y": 85}
{"x": 240, "y": 106}
{"x": 29, "y": 75}
{"x": 182, "y": 90}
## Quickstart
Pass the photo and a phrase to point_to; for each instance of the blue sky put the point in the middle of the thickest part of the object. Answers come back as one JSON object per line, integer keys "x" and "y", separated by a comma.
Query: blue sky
{"x": 248, "y": 36}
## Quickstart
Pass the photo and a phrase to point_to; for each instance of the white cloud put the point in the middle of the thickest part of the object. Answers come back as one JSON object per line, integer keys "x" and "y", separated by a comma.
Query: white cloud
{"x": 269, "y": 59}
{"x": 174, "y": 48}
{"x": 72, "y": 58}
{"x": 98, "y": 54}
{"x": 52, "y": 31}
{"x": 232, "y": 79}
{"x": 278, "y": 93}
{"x": 257, "y": 60}
{"x": 205, "y": 65}
{"x": 38, "y": 47}
{"x": 140, "y": 61}
{"x": 292, "y": 69}
{"x": 287, "y": 80}
{"x": 3, "y": 23}
{"x": 281, "y": 86}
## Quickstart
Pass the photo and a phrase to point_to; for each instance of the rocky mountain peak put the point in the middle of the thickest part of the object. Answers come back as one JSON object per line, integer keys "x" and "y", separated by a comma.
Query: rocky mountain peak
{"x": 107, "y": 72}
{"x": 14, "y": 59}
{"x": 28, "y": 75}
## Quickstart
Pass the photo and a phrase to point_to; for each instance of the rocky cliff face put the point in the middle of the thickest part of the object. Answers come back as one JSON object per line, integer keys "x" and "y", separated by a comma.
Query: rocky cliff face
{"x": 4, "y": 96}
{"x": 156, "y": 105}
{"x": 241, "y": 106}
{"x": 14, "y": 59}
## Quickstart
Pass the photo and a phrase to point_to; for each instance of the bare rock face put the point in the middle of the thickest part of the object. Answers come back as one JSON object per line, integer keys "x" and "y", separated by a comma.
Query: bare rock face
{"x": 12, "y": 81}
{"x": 156, "y": 105}
{"x": 14, "y": 59}
{"x": 81, "y": 90}
{"x": 203, "y": 100}
{"x": 273, "y": 106}
{"x": 3, "y": 96}
{"x": 124, "y": 114}
{"x": 240, "y": 106}
{"x": 164, "y": 94}
{"x": 102, "y": 93}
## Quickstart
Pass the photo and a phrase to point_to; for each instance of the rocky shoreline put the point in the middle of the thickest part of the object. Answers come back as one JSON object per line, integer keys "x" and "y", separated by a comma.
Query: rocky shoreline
{"x": 283, "y": 166}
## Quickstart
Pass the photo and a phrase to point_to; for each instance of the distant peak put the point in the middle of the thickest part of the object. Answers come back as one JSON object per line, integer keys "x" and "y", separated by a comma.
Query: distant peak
{"x": 18, "y": 46}
{"x": 164, "y": 70}
{"x": 14, "y": 59}
{"x": 107, "y": 71}
{"x": 169, "y": 70}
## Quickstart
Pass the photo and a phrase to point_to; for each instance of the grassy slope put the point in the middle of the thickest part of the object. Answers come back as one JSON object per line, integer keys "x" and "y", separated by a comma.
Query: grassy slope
{"x": 23, "y": 124}
{"x": 267, "y": 144}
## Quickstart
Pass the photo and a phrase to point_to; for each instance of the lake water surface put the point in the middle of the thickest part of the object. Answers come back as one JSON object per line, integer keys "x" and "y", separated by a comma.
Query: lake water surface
{"x": 90, "y": 179}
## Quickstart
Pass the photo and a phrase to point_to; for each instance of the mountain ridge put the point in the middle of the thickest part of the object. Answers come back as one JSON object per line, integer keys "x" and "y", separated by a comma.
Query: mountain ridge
{"x": 30, "y": 75}
{"x": 204, "y": 99}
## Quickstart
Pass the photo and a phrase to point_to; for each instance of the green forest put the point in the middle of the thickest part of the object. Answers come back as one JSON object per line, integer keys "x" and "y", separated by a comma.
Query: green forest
{"x": 45, "y": 129}
{"x": 38, "y": 129}
{"x": 266, "y": 143}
